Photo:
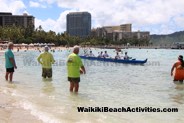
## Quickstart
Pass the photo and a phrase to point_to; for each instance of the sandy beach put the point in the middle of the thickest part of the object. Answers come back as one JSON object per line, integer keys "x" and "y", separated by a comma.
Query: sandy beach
{"x": 35, "y": 48}
{"x": 10, "y": 113}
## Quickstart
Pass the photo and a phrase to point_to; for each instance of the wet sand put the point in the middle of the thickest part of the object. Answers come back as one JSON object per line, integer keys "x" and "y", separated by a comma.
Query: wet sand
{"x": 9, "y": 113}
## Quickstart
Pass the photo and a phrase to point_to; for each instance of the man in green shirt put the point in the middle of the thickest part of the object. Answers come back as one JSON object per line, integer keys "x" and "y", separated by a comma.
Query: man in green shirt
{"x": 75, "y": 67}
{"x": 46, "y": 60}
{"x": 9, "y": 62}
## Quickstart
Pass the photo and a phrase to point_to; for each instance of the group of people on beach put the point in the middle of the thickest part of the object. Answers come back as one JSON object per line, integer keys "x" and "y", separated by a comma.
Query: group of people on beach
{"x": 75, "y": 66}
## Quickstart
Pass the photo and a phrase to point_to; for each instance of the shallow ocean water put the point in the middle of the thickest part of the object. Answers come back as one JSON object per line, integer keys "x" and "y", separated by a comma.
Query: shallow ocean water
{"x": 105, "y": 84}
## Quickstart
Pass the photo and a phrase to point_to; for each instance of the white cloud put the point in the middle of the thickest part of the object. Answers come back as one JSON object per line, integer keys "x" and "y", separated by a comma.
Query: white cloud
{"x": 58, "y": 25}
{"x": 143, "y": 14}
{"x": 36, "y": 4}
{"x": 179, "y": 21}
{"x": 48, "y": 1}
{"x": 14, "y": 6}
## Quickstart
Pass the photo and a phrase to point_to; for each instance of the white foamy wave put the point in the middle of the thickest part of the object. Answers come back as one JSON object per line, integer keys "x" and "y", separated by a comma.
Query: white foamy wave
{"x": 44, "y": 116}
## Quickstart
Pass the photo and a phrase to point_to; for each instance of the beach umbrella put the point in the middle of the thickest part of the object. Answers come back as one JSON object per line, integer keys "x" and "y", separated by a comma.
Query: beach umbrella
{"x": 31, "y": 45}
{"x": 3, "y": 44}
{"x": 52, "y": 44}
{"x": 23, "y": 44}
{"x": 35, "y": 44}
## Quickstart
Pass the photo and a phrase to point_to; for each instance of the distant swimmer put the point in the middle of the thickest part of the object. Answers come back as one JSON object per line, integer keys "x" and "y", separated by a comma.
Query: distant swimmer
{"x": 105, "y": 55}
{"x": 10, "y": 62}
{"x": 179, "y": 70}
{"x": 117, "y": 56}
{"x": 46, "y": 60}
{"x": 75, "y": 68}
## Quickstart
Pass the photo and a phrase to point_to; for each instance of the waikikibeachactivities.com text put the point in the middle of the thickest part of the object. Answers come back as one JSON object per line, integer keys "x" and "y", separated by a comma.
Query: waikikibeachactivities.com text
{"x": 125, "y": 109}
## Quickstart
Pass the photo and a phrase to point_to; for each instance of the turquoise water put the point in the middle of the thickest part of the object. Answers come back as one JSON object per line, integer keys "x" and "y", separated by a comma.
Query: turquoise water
{"x": 105, "y": 84}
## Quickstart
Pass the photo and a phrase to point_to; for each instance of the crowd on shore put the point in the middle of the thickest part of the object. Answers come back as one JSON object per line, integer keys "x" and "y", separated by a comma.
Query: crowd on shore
{"x": 40, "y": 49}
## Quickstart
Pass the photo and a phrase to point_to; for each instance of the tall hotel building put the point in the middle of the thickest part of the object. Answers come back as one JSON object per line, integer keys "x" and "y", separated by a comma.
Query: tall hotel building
{"x": 7, "y": 19}
{"x": 78, "y": 24}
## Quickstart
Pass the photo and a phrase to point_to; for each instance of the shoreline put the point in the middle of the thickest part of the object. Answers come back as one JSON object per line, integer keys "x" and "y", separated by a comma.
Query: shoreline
{"x": 9, "y": 113}
{"x": 59, "y": 48}
{"x": 35, "y": 48}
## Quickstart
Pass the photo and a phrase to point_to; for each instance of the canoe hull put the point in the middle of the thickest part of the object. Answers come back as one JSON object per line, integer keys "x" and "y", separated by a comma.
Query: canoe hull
{"x": 115, "y": 60}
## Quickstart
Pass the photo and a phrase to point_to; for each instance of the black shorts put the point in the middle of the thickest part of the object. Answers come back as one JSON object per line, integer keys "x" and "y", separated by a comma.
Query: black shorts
{"x": 47, "y": 72}
{"x": 71, "y": 79}
{"x": 10, "y": 70}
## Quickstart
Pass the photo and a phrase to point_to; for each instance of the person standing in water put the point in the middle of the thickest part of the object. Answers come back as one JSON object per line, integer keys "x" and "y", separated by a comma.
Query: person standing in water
{"x": 179, "y": 69}
{"x": 75, "y": 67}
{"x": 10, "y": 63}
{"x": 46, "y": 59}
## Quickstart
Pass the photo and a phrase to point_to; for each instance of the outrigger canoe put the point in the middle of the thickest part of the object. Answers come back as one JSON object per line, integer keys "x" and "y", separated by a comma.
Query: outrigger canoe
{"x": 131, "y": 61}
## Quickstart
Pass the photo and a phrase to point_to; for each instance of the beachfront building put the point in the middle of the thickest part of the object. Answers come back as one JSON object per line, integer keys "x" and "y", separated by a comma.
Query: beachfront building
{"x": 25, "y": 20}
{"x": 78, "y": 24}
{"x": 117, "y": 33}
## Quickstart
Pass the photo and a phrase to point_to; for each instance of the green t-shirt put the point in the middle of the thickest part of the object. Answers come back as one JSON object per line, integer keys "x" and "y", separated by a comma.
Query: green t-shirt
{"x": 8, "y": 54}
{"x": 74, "y": 63}
{"x": 46, "y": 59}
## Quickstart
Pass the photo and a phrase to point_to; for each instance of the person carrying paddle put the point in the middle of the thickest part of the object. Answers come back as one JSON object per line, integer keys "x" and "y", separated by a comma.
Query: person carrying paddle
{"x": 75, "y": 67}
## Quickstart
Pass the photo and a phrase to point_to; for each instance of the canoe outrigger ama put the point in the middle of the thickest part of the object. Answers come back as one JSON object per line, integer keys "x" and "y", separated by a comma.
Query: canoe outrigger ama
{"x": 131, "y": 61}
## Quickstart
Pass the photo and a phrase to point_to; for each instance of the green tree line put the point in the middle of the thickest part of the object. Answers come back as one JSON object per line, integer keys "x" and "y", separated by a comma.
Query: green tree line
{"x": 28, "y": 35}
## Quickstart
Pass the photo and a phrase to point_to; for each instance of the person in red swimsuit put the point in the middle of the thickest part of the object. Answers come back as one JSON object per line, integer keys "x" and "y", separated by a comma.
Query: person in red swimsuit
{"x": 179, "y": 69}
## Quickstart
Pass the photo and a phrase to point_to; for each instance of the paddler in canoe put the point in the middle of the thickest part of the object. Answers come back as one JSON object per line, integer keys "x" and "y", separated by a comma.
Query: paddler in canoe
{"x": 126, "y": 57}
{"x": 117, "y": 56}
{"x": 105, "y": 55}
{"x": 91, "y": 54}
{"x": 179, "y": 70}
